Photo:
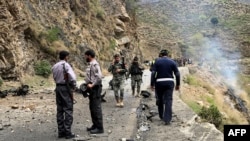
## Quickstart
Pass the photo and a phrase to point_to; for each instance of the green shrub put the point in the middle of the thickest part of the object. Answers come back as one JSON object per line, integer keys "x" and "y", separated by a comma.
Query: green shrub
{"x": 211, "y": 115}
{"x": 197, "y": 39}
{"x": 214, "y": 20}
{"x": 210, "y": 100}
{"x": 52, "y": 34}
{"x": 194, "y": 106}
{"x": 100, "y": 13}
{"x": 191, "y": 80}
{"x": 131, "y": 6}
{"x": 112, "y": 44}
{"x": 42, "y": 68}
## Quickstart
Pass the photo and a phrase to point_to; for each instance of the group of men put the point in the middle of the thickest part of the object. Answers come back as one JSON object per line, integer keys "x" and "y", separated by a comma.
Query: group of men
{"x": 162, "y": 81}
{"x": 65, "y": 80}
{"x": 121, "y": 72}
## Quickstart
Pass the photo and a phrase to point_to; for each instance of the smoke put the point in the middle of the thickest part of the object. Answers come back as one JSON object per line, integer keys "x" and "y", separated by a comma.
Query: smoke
{"x": 214, "y": 49}
{"x": 147, "y": 1}
{"x": 215, "y": 57}
{"x": 244, "y": 1}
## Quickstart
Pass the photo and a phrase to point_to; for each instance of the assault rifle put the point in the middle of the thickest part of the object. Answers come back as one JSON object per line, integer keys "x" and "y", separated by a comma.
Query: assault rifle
{"x": 123, "y": 61}
{"x": 70, "y": 85}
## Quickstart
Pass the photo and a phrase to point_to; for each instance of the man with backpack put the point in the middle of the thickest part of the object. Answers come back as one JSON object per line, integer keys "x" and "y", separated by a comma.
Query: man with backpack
{"x": 136, "y": 71}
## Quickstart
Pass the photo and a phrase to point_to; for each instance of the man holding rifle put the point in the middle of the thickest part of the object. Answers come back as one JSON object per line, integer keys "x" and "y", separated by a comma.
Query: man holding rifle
{"x": 118, "y": 69}
{"x": 65, "y": 80}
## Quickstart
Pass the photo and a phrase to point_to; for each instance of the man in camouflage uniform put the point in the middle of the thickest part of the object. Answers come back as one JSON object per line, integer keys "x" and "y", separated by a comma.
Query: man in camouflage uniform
{"x": 118, "y": 69}
{"x": 136, "y": 71}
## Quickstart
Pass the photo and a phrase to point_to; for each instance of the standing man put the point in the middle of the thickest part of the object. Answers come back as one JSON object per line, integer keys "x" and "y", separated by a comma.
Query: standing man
{"x": 162, "y": 80}
{"x": 153, "y": 76}
{"x": 136, "y": 71}
{"x": 65, "y": 80}
{"x": 94, "y": 83}
{"x": 118, "y": 69}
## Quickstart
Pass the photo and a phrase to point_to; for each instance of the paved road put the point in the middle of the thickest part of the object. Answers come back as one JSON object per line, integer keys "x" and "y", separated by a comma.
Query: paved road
{"x": 35, "y": 120}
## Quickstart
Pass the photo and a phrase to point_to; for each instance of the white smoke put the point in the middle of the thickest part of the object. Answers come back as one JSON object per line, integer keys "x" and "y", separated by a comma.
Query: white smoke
{"x": 223, "y": 63}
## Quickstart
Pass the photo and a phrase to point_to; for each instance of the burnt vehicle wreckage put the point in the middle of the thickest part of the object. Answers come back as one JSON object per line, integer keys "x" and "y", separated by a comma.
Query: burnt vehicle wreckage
{"x": 24, "y": 90}
{"x": 239, "y": 104}
{"x": 20, "y": 91}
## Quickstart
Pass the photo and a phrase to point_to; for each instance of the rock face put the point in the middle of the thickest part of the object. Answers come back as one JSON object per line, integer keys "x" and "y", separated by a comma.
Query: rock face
{"x": 35, "y": 30}
{"x": 12, "y": 24}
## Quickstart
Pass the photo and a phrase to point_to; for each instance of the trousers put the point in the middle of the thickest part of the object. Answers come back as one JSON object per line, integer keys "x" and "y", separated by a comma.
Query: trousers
{"x": 164, "y": 93}
{"x": 64, "y": 114}
{"x": 95, "y": 107}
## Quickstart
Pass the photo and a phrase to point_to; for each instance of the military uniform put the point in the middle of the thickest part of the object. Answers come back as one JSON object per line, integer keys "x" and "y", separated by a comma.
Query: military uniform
{"x": 118, "y": 80}
{"x": 64, "y": 99}
{"x": 136, "y": 78}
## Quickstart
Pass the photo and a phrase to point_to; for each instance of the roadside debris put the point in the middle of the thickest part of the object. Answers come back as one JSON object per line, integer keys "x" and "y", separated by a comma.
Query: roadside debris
{"x": 20, "y": 91}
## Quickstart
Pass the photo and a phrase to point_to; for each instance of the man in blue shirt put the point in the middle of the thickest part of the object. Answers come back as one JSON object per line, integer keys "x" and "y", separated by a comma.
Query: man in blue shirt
{"x": 162, "y": 80}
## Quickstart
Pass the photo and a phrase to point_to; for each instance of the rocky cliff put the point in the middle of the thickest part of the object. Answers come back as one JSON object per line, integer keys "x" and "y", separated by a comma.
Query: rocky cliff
{"x": 33, "y": 30}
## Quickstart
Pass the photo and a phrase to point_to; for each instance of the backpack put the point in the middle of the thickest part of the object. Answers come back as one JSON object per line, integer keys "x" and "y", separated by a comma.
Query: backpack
{"x": 135, "y": 70}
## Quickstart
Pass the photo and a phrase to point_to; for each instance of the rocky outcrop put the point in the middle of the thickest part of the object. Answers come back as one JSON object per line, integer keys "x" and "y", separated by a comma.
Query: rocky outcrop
{"x": 124, "y": 32}
{"x": 34, "y": 30}
{"x": 12, "y": 25}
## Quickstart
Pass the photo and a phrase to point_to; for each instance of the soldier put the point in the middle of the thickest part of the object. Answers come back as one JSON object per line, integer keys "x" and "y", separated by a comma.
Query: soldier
{"x": 94, "y": 83}
{"x": 163, "y": 81}
{"x": 64, "y": 99}
{"x": 118, "y": 69}
{"x": 136, "y": 71}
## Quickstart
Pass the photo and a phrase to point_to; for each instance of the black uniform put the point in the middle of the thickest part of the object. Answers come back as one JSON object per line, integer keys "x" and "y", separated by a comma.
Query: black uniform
{"x": 163, "y": 80}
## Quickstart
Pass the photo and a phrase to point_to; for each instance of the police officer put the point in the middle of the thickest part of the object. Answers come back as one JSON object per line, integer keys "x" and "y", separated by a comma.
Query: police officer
{"x": 64, "y": 99}
{"x": 153, "y": 76}
{"x": 94, "y": 83}
{"x": 162, "y": 80}
{"x": 118, "y": 69}
{"x": 136, "y": 71}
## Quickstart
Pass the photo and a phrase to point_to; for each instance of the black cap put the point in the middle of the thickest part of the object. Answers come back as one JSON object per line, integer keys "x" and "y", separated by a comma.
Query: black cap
{"x": 63, "y": 54}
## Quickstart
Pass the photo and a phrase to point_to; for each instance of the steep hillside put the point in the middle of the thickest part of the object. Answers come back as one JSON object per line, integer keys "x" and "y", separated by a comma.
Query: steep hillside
{"x": 35, "y": 30}
{"x": 214, "y": 34}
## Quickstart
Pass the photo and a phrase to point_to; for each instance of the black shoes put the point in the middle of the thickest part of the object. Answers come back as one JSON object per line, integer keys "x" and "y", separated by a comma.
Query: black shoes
{"x": 96, "y": 131}
{"x": 91, "y": 128}
{"x": 62, "y": 135}
{"x": 166, "y": 123}
{"x": 70, "y": 136}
